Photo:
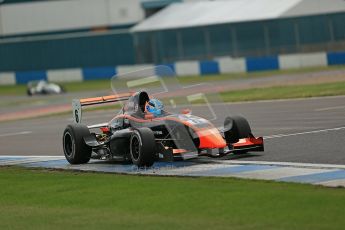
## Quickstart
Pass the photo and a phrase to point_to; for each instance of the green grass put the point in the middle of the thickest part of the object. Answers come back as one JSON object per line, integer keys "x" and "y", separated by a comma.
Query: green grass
{"x": 12, "y": 90}
{"x": 276, "y": 92}
{"x": 267, "y": 93}
{"x": 285, "y": 92}
{"x": 105, "y": 84}
{"x": 37, "y": 199}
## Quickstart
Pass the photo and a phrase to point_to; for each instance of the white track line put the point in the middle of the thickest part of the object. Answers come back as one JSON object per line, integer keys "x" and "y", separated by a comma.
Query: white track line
{"x": 15, "y": 134}
{"x": 303, "y": 133}
{"x": 281, "y": 172}
{"x": 333, "y": 183}
{"x": 283, "y": 164}
{"x": 36, "y": 156}
{"x": 329, "y": 108}
{"x": 275, "y": 100}
{"x": 191, "y": 86}
{"x": 28, "y": 160}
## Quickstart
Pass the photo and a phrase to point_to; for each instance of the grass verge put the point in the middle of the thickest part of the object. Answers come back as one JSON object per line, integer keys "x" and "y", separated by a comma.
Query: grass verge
{"x": 105, "y": 84}
{"x": 285, "y": 92}
{"x": 37, "y": 199}
{"x": 267, "y": 93}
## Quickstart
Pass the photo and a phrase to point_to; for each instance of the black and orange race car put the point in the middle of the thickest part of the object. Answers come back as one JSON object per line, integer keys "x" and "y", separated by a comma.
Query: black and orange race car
{"x": 143, "y": 137}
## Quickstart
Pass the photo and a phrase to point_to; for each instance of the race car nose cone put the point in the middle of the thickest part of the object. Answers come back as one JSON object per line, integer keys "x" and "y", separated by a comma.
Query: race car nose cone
{"x": 210, "y": 138}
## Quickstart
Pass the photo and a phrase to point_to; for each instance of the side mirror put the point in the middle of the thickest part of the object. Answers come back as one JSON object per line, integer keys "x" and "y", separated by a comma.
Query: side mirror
{"x": 186, "y": 111}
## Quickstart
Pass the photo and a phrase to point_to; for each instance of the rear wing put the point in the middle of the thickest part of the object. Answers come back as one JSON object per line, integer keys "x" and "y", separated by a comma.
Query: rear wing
{"x": 77, "y": 104}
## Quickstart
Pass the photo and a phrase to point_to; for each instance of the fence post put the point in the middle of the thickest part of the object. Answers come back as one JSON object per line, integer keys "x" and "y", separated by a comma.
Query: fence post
{"x": 136, "y": 48}
{"x": 207, "y": 43}
{"x": 297, "y": 38}
{"x": 153, "y": 48}
{"x": 179, "y": 45}
{"x": 331, "y": 30}
{"x": 267, "y": 39}
{"x": 234, "y": 41}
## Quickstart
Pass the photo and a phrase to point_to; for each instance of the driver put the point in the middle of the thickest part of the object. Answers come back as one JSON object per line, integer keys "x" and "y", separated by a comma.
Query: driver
{"x": 40, "y": 86}
{"x": 154, "y": 107}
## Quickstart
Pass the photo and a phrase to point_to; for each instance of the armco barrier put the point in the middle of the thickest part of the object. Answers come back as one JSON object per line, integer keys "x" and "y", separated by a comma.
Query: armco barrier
{"x": 65, "y": 75}
{"x": 98, "y": 73}
{"x": 187, "y": 68}
{"x": 231, "y": 65}
{"x": 336, "y": 58}
{"x": 182, "y": 68}
{"x": 24, "y": 77}
{"x": 7, "y": 78}
{"x": 209, "y": 67}
{"x": 262, "y": 63}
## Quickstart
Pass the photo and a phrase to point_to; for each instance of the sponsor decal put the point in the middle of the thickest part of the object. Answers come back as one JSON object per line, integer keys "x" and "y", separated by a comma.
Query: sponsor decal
{"x": 158, "y": 132}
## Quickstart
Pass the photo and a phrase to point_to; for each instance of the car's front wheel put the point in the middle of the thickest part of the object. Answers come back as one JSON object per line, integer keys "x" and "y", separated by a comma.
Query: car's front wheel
{"x": 74, "y": 147}
{"x": 143, "y": 147}
{"x": 28, "y": 92}
{"x": 236, "y": 127}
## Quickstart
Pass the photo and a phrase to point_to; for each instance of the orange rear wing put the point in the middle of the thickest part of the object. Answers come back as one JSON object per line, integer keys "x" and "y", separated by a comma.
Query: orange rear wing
{"x": 77, "y": 104}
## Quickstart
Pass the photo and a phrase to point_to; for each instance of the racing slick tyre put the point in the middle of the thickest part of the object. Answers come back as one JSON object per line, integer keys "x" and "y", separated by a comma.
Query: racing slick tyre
{"x": 236, "y": 127}
{"x": 74, "y": 147}
{"x": 142, "y": 147}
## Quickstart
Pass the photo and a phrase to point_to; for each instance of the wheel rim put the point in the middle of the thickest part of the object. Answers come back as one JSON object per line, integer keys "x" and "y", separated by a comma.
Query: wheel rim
{"x": 228, "y": 124}
{"x": 135, "y": 147}
{"x": 68, "y": 144}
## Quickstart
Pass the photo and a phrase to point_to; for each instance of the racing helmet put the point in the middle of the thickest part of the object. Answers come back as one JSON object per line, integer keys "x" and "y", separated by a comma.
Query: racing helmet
{"x": 155, "y": 107}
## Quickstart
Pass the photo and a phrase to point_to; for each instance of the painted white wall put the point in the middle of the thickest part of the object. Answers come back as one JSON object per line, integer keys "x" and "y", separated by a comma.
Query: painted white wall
{"x": 313, "y": 59}
{"x": 187, "y": 68}
{"x": 231, "y": 65}
{"x": 294, "y": 61}
{"x": 289, "y": 61}
{"x": 135, "y": 71}
{"x": 65, "y": 14}
{"x": 7, "y": 78}
{"x": 65, "y": 75}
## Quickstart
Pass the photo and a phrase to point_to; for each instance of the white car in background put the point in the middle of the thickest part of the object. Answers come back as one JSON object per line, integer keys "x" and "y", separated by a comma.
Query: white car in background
{"x": 43, "y": 87}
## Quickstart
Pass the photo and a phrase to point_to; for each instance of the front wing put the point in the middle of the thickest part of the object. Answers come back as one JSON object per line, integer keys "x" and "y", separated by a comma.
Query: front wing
{"x": 251, "y": 143}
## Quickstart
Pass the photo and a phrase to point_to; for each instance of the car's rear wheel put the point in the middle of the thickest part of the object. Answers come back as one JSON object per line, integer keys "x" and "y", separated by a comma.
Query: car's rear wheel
{"x": 62, "y": 89}
{"x": 235, "y": 128}
{"x": 74, "y": 147}
{"x": 143, "y": 147}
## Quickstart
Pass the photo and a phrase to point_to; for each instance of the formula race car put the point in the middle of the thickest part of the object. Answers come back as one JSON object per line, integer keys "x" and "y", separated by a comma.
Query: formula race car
{"x": 43, "y": 87}
{"x": 143, "y": 132}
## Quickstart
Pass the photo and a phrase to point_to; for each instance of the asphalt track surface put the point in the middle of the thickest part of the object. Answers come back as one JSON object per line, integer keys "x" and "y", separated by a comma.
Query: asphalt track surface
{"x": 300, "y": 130}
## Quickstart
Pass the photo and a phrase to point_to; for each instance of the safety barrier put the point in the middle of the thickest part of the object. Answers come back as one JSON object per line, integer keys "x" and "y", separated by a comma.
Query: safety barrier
{"x": 182, "y": 68}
